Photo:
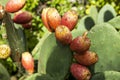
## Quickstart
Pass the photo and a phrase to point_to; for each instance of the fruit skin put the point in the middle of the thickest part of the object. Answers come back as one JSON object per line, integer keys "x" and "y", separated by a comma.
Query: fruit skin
{"x": 53, "y": 18}
{"x": 5, "y": 51}
{"x": 2, "y": 12}
{"x": 27, "y": 25}
{"x": 80, "y": 44}
{"x": 28, "y": 62}
{"x": 44, "y": 19}
{"x": 70, "y": 19}
{"x": 80, "y": 72}
{"x": 87, "y": 58}
{"x": 22, "y": 17}
{"x": 14, "y": 5}
{"x": 63, "y": 34}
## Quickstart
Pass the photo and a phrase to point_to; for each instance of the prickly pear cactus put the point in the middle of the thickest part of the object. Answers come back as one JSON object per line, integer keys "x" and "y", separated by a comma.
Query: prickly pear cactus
{"x": 105, "y": 41}
{"x": 55, "y": 58}
{"x": 4, "y": 75}
{"x": 107, "y": 75}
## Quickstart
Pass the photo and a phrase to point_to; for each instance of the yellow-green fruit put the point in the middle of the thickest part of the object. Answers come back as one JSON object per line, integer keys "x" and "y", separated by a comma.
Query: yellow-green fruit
{"x": 5, "y": 51}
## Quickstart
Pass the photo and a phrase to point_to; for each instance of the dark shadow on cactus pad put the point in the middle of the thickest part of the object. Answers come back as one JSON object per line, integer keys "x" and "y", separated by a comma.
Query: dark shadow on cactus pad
{"x": 89, "y": 23}
{"x": 98, "y": 76}
{"x": 108, "y": 15}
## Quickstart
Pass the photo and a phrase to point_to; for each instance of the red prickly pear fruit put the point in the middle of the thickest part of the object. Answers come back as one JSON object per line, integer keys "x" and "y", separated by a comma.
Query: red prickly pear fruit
{"x": 27, "y": 25}
{"x": 5, "y": 51}
{"x": 28, "y": 62}
{"x": 80, "y": 44}
{"x": 22, "y": 17}
{"x": 63, "y": 34}
{"x": 53, "y": 18}
{"x": 14, "y": 5}
{"x": 87, "y": 58}
{"x": 80, "y": 72}
{"x": 44, "y": 19}
{"x": 2, "y": 12}
{"x": 70, "y": 19}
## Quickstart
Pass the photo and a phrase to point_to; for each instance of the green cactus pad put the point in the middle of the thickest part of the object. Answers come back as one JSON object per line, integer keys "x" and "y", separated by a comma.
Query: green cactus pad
{"x": 105, "y": 41}
{"x": 4, "y": 75}
{"x": 93, "y": 13}
{"x": 37, "y": 76}
{"x": 55, "y": 58}
{"x": 107, "y": 75}
{"x": 115, "y": 22}
{"x": 106, "y": 13}
{"x": 84, "y": 24}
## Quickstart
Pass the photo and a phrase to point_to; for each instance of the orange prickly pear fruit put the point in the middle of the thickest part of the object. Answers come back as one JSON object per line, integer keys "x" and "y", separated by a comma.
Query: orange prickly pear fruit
{"x": 14, "y": 5}
{"x": 44, "y": 19}
{"x": 54, "y": 18}
{"x": 51, "y": 18}
{"x": 22, "y": 17}
{"x": 70, "y": 19}
{"x": 63, "y": 34}
{"x": 28, "y": 62}
{"x": 87, "y": 58}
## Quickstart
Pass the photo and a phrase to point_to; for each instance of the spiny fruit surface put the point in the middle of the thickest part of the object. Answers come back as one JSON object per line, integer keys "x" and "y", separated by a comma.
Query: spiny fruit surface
{"x": 14, "y": 5}
{"x": 22, "y": 17}
{"x": 53, "y": 18}
{"x": 28, "y": 62}
{"x": 5, "y": 51}
{"x": 87, "y": 58}
{"x": 63, "y": 34}
{"x": 80, "y": 44}
{"x": 80, "y": 72}
{"x": 70, "y": 19}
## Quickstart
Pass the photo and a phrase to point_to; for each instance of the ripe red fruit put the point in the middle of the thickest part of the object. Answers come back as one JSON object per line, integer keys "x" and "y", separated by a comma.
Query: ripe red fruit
{"x": 44, "y": 19}
{"x": 70, "y": 19}
{"x": 87, "y": 58}
{"x": 63, "y": 34}
{"x": 53, "y": 18}
{"x": 22, "y": 17}
{"x": 14, "y": 5}
{"x": 27, "y": 25}
{"x": 28, "y": 62}
{"x": 80, "y": 72}
{"x": 80, "y": 44}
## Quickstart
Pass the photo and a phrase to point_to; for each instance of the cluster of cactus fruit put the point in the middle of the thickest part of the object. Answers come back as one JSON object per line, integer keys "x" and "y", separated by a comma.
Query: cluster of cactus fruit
{"x": 71, "y": 46}
{"x": 80, "y": 45}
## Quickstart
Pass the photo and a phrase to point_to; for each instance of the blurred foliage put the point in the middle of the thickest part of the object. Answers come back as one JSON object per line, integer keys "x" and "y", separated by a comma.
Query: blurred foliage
{"x": 100, "y": 3}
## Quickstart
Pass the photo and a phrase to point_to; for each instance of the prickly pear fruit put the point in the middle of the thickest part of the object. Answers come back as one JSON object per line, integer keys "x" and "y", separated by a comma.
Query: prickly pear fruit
{"x": 5, "y": 51}
{"x": 22, "y": 17}
{"x": 80, "y": 72}
{"x": 2, "y": 12}
{"x": 54, "y": 18}
{"x": 70, "y": 19}
{"x": 44, "y": 19}
{"x": 63, "y": 34}
{"x": 87, "y": 58}
{"x": 80, "y": 44}
{"x": 28, "y": 62}
{"x": 27, "y": 25}
{"x": 14, "y": 5}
